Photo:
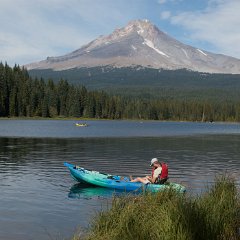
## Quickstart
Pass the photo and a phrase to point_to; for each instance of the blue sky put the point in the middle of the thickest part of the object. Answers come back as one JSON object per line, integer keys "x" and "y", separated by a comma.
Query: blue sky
{"x": 31, "y": 30}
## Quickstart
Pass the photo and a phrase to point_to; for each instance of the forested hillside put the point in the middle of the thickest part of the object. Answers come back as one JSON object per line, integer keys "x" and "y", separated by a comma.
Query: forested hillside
{"x": 22, "y": 95}
{"x": 149, "y": 82}
{"x": 140, "y": 77}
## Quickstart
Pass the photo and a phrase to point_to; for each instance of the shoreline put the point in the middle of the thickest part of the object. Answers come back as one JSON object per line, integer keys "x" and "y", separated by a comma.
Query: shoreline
{"x": 107, "y": 119}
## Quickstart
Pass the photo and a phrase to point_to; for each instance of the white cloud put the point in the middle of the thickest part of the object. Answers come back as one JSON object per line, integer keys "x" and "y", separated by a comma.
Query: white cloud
{"x": 31, "y": 30}
{"x": 217, "y": 25}
{"x": 165, "y": 15}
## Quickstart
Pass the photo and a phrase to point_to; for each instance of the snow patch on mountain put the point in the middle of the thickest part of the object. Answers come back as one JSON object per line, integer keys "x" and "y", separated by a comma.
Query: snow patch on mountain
{"x": 185, "y": 52}
{"x": 134, "y": 48}
{"x": 141, "y": 30}
{"x": 151, "y": 45}
{"x": 202, "y": 52}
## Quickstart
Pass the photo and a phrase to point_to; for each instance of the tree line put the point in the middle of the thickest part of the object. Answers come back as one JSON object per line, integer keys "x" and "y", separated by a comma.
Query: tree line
{"x": 24, "y": 96}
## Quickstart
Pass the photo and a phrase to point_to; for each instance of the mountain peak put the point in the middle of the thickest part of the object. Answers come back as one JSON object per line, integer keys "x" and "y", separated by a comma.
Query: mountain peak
{"x": 143, "y": 23}
{"x": 140, "y": 26}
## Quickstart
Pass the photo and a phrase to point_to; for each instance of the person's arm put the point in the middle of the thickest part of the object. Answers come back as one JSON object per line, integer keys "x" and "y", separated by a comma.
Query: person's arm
{"x": 156, "y": 173}
{"x": 153, "y": 179}
{"x": 149, "y": 178}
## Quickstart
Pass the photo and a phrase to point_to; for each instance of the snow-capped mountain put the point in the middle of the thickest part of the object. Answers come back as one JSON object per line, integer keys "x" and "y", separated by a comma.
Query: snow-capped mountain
{"x": 141, "y": 43}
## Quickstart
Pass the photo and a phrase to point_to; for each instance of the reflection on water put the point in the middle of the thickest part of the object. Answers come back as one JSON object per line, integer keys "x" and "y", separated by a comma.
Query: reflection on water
{"x": 83, "y": 191}
{"x": 38, "y": 193}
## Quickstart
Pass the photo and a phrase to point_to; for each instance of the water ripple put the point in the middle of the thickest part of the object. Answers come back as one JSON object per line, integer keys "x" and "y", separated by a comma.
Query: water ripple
{"x": 36, "y": 189}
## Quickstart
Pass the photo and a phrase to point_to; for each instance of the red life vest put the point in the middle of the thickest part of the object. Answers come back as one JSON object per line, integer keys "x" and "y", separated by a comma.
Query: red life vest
{"x": 164, "y": 173}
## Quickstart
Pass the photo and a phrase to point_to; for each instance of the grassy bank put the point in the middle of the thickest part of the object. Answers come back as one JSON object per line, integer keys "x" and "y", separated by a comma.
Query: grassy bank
{"x": 172, "y": 216}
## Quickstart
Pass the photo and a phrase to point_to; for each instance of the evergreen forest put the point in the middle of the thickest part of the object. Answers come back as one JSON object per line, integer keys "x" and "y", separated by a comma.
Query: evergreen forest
{"x": 24, "y": 96}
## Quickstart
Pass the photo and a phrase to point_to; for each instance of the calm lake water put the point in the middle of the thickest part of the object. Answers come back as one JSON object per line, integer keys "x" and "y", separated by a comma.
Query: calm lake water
{"x": 39, "y": 199}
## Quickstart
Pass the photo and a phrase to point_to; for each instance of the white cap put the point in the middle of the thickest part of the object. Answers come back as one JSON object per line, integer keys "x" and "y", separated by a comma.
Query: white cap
{"x": 153, "y": 161}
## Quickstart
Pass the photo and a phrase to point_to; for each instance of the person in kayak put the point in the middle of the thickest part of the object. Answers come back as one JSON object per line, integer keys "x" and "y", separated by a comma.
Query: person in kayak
{"x": 159, "y": 173}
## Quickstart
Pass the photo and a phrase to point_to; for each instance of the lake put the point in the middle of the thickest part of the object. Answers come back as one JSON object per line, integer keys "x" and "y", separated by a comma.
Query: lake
{"x": 39, "y": 199}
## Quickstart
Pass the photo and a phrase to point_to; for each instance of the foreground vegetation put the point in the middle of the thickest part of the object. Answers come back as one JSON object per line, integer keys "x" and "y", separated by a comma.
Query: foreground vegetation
{"x": 172, "y": 216}
{"x": 22, "y": 96}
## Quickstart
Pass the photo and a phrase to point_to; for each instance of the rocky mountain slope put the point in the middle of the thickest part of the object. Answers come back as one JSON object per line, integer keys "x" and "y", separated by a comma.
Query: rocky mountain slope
{"x": 140, "y": 43}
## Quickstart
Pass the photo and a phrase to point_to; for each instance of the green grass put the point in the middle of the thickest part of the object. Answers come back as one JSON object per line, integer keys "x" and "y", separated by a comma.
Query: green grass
{"x": 169, "y": 215}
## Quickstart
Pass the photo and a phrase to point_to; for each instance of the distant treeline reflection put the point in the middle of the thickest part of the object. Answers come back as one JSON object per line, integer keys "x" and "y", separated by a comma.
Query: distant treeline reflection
{"x": 23, "y": 96}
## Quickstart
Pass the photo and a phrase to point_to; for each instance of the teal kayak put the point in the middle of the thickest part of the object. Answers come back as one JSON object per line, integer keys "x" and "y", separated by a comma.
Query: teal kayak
{"x": 116, "y": 182}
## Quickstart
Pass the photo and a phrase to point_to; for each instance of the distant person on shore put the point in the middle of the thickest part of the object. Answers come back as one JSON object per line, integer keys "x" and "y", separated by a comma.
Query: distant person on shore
{"x": 159, "y": 173}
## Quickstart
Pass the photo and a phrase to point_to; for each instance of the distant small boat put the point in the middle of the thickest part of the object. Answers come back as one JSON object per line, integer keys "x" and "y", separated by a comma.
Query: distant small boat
{"x": 81, "y": 124}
